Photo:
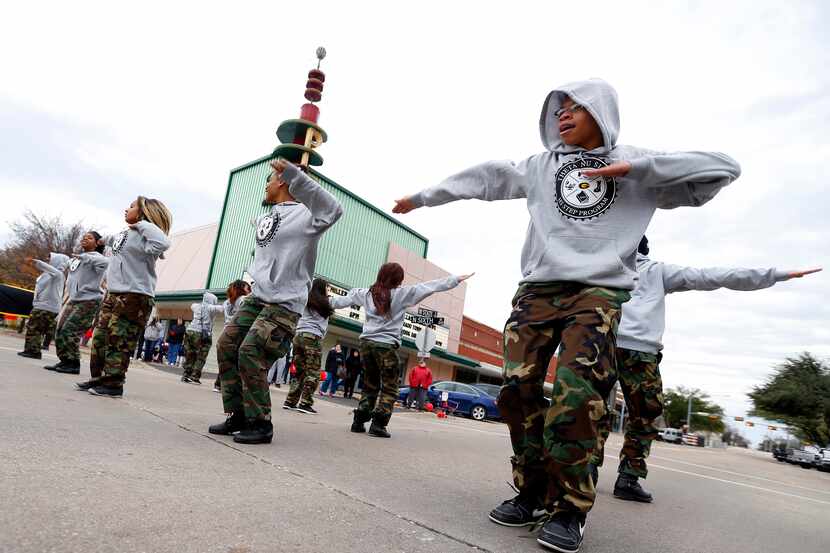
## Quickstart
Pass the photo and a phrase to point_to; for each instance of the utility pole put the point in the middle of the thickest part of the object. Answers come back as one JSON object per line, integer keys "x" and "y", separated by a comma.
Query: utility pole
{"x": 689, "y": 416}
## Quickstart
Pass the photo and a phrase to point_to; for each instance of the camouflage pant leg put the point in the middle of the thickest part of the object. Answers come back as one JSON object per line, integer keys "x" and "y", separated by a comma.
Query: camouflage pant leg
{"x": 77, "y": 318}
{"x": 41, "y": 324}
{"x": 227, "y": 353}
{"x": 201, "y": 356}
{"x": 268, "y": 339}
{"x": 191, "y": 352}
{"x": 643, "y": 390}
{"x": 307, "y": 361}
{"x": 380, "y": 381}
{"x": 122, "y": 317}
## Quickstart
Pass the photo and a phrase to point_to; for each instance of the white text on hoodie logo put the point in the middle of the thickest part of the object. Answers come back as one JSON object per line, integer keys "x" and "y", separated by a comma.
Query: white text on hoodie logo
{"x": 118, "y": 243}
{"x": 74, "y": 264}
{"x": 580, "y": 197}
{"x": 267, "y": 228}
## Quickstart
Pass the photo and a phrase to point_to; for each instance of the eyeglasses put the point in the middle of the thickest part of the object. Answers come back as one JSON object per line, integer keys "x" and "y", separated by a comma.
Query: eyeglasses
{"x": 573, "y": 109}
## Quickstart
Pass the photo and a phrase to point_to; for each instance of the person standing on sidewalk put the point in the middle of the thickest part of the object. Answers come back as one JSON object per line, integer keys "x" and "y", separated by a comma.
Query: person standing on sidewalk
{"x": 420, "y": 379}
{"x": 199, "y": 337}
{"x": 46, "y": 303}
{"x": 86, "y": 273}
{"x": 334, "y": 363}
{"x": 311, "y": 328}
{"x": 354, "y": 366}
{"x": 152, "y": 335}
{"x": 175, "y": 337}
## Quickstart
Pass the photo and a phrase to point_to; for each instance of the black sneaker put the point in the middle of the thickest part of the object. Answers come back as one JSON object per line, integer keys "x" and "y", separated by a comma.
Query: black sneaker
{"x": 83, "y": 386}
{"x": 70, "y": 367}
{"x": 217, "y": 389}
{"x": 186, "y": 379}
{"x": 196, "y": 381}
{"x": 234, "y": 423}
{"x": 360, "y": 420}
{"x": 53, "y": 366}
{"x": 106, "y": 391}
{"x": 259, "y": 431}
{"x": 563, "y": 532}
{"x": 307, "y": 409}
{"x": 378, "y": 431}
{"x": 627, "y": 487}
{"x": 519, "y": 511}
{"x": 29, "y": 354}
{"x": 289, "y": 406}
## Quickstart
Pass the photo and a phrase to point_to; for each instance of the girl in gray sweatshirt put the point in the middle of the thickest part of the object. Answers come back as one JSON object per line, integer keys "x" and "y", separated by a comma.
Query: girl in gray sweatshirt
{"x": 131, "y": 285}
{"x": 86, "y": 273}
{"x": 590, "y": 201}
{"x": 46, "y": 303}
{"x": 385, "y": 304}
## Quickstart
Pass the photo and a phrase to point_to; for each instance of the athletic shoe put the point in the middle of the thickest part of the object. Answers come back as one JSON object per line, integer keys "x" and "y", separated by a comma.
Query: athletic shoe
{"x": 307, "y": 409}
{"x": 71, "y": 367}
{"x": 378, "y": 431}
{"x": 259, "y": 431}
{"x": 519, "y": 511}
{"x": 217, "y": 389}
{"x": 289, "y": 406}
{"x": 360, "y": 420}
{"x": 563, "y": 532}
{"x": 29, "y": 354}
{"x": 107, "y": 391}
{"x": 53, "y": 366}
{"x": 276, "y": 384}
{"x": 627, "y": 487}
{"x": 234, "y": 423}
{"x": 186, "y": 379}
{"x": 83, "y": 386}
{"x": 196, "y": 381}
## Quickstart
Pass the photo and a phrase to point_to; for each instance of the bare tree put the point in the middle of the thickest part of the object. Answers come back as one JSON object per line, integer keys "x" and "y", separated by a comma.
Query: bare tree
{"x": 35, "y": 236}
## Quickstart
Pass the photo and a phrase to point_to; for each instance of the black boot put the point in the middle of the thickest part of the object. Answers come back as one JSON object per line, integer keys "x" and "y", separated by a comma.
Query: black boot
{"x": 84, "y": 386}
{"x": 360, "y": 420}
{"x": 378, "y": 427}
{"x": 627, "y": 487}
{"x": 234, "y": 423}
{"x": 68, "y": 367}
{"x": 259, "y": 431}
{"x": 29, "y": 354}
{"x": 53, "y": 366}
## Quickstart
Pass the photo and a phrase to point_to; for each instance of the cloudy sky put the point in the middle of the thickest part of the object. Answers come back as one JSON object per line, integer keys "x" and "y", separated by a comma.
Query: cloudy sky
{"x": 99, "y": 102}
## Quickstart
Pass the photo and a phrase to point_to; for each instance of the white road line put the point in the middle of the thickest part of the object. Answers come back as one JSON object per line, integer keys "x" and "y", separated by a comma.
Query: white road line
{"x": 741, "y": 484}
{"x": 707, "y": 467}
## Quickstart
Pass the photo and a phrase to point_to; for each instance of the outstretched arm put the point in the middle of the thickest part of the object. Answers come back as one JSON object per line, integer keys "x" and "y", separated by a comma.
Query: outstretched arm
{"x": 412, "y": 295}
{"x": 493, "y": 180}
{"x": 681, "y": 279}
{"x": 339, "y": 302}
{"x": 45, "y": 267}
{"x": 324, "y": 207}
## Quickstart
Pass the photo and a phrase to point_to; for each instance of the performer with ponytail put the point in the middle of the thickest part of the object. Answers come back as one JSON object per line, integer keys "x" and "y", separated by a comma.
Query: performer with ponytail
{"x": 384, "y": 304}
{"x": 46, "y": 303}
{"x": 237, "y": 290}
{"x": 131, "y": 286}
{"x": 86, "y": 272}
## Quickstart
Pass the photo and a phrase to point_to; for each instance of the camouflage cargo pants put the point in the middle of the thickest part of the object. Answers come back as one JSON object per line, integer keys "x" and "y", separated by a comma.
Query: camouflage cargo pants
{"x": 41, "y": 324}
{"x": 380, "y": 381}
{"x": 196, "y": 347}
{"x": 77, "y": 318}
{"x": 307, "y": 361}
{"x": 121, "y": 318}
{"x": 553, "y": 445}
{"x": 642, "y": 387}
{"x": 259, "y": 334}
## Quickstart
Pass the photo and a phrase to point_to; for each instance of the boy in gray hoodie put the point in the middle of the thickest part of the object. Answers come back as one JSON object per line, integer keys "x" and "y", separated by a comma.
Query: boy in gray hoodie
{"x": 639, "y": 345}
{"x": 199, "y": 337}
{"x": 590, "y": 201}
{"x": 46, "y": 303}
{"x": 263, "y": 327}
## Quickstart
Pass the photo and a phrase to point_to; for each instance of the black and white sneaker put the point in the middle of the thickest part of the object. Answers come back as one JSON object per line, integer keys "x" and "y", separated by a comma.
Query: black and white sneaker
{"x": 307, "y": 409}
{"x": 106, "y": 391}
{"x": 83, "y": 386}
{"x": 289, "y": 406}
{"x": 519, "y": 511}
{"x": 563, "y": 532}
{"x": 628, "y": 487}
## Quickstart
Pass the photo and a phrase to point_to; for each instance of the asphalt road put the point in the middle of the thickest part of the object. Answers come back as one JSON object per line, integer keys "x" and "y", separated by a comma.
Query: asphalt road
{"x": 141, "y": 474}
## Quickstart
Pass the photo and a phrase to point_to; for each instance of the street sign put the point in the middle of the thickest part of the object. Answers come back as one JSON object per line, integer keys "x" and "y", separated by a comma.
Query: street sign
{"x": 425, "y": 341}
{"x": 427, "y": 317}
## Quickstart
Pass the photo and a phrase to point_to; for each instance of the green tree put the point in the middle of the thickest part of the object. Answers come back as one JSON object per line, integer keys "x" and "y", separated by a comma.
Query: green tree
{"x": 35, "y": 236}
{"x": 676, "y": 403}
{"x": 798, "y": 395}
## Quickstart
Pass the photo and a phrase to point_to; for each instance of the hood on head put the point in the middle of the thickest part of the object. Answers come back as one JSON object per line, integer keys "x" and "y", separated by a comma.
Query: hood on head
{"x": 209, "y": 298}
{"x": 595, "y": 95}
{"x": 58, "y": 260}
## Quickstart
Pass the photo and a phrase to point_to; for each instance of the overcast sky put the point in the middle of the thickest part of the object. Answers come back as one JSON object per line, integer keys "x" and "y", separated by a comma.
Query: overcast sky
{"x": 99, "y": 102}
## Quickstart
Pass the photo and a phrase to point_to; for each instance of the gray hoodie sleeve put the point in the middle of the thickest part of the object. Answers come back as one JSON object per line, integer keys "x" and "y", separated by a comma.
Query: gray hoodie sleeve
{"x": 351, "y": 298}
{"x": 493, "y": 180}
{"x": 97, "y": 261}
{"x": 324, "y": 208}
{"x": 684, "y": 178}
{"x": 412, "y": 295}
{"x": 682, "y": 279}
{"x": 155, "y": 241}
{"x": 46, "y": 268}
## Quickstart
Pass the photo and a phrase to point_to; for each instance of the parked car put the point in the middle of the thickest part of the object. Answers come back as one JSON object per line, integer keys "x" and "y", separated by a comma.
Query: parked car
{"x": 463, "y": 399}
{"x": 779, "y": 453}
{"x": 824, "y": 460}
{"x": 489, "y": 389}
{"x": 671, "y": 435}
{"x": 804, "y": 458}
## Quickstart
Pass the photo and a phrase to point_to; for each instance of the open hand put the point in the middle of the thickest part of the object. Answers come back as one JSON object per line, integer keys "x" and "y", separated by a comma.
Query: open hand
{"x": 404, "y": 205}
{"x": 462, "y": 278}
{"x": 616, "y": 169}
{"x": 279, "y": 166}
{"x": 799, "y": 274}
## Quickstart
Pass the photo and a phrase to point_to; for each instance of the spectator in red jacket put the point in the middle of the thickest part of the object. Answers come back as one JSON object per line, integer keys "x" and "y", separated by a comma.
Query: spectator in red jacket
{"x": 420, "y": 378}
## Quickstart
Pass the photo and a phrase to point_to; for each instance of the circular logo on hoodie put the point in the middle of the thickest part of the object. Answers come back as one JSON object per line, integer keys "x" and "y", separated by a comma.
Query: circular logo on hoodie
{"x": 266, "y": 229}
{"x": 74, "y": 264}
{"x": 118, "y": 243}
{"x": 582, "y": 197}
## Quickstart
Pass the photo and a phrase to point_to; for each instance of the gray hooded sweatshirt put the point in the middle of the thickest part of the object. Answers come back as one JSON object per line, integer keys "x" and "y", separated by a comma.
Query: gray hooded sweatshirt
{"x": 312, "y": 322}
{"x": 49, "y": 285}
{"x": 202, "y": 322}
{"x": 135, "y": 251}
{"x": 286, "y": 242}
{"x": 586, "y": 229}
{"x": 386, "y": 329}
{"x": 644, "y": 315}
{"x": 230, "y": 309}
{"x": 86, "y": 272}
